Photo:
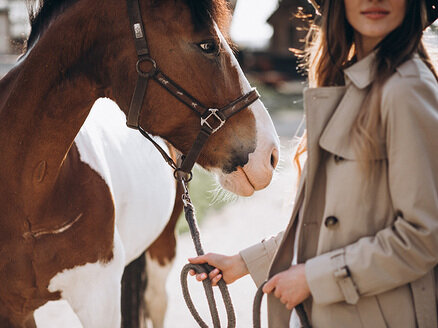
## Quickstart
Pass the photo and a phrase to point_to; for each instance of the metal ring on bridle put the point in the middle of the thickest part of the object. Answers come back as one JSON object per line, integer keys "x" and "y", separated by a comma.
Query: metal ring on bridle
{"x": 151, "y": 72}
{"x": 175, "y": 174}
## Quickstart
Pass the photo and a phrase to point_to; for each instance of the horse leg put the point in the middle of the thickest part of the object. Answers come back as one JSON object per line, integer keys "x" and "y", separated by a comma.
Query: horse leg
{"x": 159, "y": 258}
{"x": 156, "y": 296}
{"x": 134, "y": 282}
{"x": 144, "y": 292}
{"x": 93, "y": 290}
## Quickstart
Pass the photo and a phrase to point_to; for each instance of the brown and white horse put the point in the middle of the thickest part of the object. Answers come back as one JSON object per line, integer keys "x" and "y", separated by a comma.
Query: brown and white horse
{"x": 59, "y": 205}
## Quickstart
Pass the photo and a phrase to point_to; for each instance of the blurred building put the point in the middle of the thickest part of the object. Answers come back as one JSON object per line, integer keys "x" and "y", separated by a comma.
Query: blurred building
{"x": 4, "y": 29}
{"x": 14, "y": 26}
{"x": 290, "y": 28}
{"x": 277, "y": 63}
{"x": 232, "y": 3}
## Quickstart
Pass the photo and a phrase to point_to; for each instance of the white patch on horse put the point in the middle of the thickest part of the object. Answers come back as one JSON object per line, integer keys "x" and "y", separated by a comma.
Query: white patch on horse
{"x": 156, "y": 295}
{"x": 93, "y": 290}
{"x": 143, "y": 190}
{"x": 140, "y": 181}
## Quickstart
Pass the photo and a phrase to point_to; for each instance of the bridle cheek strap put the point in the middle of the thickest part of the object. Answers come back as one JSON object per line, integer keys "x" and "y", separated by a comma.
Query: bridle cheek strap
{"x": 212, "y": 119}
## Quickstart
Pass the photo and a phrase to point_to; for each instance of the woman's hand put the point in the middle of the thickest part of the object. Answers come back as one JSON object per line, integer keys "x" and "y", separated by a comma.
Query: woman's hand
{"x": 230, "y": 268}
{"x": 289, "y": 286}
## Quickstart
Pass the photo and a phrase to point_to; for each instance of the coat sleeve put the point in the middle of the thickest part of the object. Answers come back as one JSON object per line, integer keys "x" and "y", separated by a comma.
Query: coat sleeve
{"x": 258, "y": 258}
{"x": 407, "y": 249}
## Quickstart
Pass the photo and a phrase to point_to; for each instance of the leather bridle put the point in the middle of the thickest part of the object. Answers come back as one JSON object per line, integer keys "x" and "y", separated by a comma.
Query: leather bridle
{"x": 211, "y": 119}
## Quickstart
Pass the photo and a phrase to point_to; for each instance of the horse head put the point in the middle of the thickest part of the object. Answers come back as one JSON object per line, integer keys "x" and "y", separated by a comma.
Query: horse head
{"x": 187, "y": 41}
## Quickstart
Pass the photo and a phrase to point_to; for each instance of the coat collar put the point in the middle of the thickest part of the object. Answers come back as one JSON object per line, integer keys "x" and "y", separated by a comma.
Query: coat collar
{"x": 361, "y": 73}
{"x": 336, "y": 137}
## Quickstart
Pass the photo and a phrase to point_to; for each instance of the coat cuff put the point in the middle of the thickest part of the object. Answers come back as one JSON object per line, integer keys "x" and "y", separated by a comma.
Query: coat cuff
{"x": 330, "y": 280}
{"x": 258, "y": 259}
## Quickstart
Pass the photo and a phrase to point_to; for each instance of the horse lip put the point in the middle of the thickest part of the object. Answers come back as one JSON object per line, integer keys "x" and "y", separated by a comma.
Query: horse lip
{"x": 239, "y": 168}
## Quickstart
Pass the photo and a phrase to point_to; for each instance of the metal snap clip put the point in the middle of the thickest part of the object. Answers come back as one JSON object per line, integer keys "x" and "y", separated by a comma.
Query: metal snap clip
{"x": 180, "y": 175}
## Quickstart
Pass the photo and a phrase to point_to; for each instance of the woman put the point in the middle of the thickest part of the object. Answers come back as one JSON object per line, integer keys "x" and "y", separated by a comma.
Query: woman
{"x": 364, "y": 229}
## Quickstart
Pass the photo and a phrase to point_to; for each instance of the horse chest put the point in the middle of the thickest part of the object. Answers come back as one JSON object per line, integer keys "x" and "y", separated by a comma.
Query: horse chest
{"x": 29, "y": 262}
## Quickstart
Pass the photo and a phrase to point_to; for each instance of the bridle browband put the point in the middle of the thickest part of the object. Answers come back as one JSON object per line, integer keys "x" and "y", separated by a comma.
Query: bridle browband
{"x": 212, "y": 119}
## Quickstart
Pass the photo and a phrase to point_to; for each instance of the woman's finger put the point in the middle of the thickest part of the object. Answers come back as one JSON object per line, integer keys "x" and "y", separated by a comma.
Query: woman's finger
{"x": 269, "y": 286}
{"x": 213, "y": 273}
{"x": 201, "y": 276}
{"x": 216, "y": 279}
{"x": 213, "y": 259}
{"x": 199, "y": 259}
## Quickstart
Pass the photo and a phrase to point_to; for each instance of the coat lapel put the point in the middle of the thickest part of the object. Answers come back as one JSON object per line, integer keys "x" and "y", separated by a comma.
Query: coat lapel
{"x": 319, "y": 105}
{"x": 323, "y": 102}
{"x": 336, "y": 137}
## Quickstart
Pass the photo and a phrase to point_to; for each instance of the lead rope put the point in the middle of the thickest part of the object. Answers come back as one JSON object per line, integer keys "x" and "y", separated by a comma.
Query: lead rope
{"x": 258, "y": 303}
{"x": 189, "y": 212}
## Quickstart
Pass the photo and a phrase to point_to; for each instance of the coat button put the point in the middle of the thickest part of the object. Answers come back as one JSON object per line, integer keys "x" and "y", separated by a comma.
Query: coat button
{"x": 331, "y": 221}
{"x": 338, "y": 159}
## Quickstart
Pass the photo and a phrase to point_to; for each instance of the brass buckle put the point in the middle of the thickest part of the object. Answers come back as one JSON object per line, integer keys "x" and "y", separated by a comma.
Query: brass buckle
{"x": 213, "y": 113}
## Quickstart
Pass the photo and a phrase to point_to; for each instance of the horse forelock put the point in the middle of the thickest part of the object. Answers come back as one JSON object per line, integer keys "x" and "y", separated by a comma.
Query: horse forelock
{"x": 205, "y": 12}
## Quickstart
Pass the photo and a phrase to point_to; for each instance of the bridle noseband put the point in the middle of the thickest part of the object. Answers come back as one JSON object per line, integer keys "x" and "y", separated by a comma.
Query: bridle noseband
{"x": 212, "y": 119}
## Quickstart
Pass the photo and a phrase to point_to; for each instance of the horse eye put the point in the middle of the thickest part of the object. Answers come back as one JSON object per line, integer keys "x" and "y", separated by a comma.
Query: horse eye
{"x": 209, "y": 47}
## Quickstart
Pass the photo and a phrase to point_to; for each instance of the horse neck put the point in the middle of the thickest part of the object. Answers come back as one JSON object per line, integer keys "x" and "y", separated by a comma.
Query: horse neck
{"x": 44, "y": 101}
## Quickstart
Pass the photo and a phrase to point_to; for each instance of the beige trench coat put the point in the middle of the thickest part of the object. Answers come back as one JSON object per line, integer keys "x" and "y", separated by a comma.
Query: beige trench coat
{"x": 370, "y": 255}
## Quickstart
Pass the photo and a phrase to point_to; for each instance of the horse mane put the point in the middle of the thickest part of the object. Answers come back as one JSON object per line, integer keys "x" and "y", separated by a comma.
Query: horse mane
{"x": 203, "y": 12}
{"x": 41, "y": 13}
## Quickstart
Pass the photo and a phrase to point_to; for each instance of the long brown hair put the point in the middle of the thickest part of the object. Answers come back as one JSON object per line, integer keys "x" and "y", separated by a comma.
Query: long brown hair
{"x": 330, "y": 49}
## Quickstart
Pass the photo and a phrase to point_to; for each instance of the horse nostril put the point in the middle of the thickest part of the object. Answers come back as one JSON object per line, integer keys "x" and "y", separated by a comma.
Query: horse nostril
{"x": 274, "y": 158}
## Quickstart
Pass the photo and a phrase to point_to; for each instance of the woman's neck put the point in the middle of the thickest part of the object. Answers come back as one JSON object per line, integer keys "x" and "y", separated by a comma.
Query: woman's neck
{"x": 365, "y": 45}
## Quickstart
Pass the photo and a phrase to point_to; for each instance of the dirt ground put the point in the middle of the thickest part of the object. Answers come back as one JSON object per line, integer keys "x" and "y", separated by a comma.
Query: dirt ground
{"x": 238, "y": 225}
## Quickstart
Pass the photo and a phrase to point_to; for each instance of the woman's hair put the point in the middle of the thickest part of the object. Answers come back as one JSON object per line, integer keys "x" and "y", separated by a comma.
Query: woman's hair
{"x": 330, "y": 49}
